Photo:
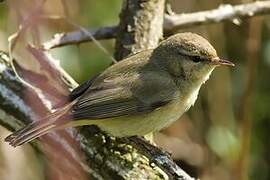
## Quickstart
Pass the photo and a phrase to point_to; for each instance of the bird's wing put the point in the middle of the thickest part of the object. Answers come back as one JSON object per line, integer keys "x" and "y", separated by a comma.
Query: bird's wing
{"x": 78, "y": 91}
{"x": 130, "y": 64}
{"x": 125, "y": 95}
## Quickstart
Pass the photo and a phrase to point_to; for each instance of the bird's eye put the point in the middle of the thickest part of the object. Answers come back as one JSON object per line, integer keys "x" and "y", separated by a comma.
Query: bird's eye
{"x": 197, "y": 59}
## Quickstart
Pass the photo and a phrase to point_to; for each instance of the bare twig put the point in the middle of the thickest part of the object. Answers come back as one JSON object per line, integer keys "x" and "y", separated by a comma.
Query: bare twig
{"x": 224, "y": 12}
{"x": 103, "y": 49}
{"x": 93, "y": 36}
{"x": 172, "y": 23}
{"x": 77, "y": 37}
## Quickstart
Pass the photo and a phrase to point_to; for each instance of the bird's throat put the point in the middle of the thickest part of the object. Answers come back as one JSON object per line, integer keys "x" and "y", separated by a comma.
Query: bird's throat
{"x": 192, "y": 94}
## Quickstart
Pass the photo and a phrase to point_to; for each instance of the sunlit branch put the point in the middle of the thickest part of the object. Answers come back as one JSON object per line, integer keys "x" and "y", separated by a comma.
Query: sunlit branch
{"x": 172, "y": 23}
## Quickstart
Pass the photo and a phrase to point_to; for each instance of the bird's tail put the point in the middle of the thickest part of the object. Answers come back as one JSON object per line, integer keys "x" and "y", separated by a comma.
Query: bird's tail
{"x": 36, "y": 129}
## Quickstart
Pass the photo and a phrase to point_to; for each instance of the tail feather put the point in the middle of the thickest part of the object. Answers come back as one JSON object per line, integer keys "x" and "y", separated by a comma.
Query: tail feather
{"x": 41, "y": 127}
{"x": 21, "y": 131}
{"x": 25, "y": 138}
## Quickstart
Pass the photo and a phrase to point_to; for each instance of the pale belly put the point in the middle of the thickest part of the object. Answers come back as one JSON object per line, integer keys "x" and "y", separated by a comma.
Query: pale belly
{"x": 145, "y": 123}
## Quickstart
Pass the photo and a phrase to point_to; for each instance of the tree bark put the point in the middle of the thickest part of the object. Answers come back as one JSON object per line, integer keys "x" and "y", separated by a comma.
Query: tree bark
{"x": 140, "y": 26}
{"x": 104, "y": 157}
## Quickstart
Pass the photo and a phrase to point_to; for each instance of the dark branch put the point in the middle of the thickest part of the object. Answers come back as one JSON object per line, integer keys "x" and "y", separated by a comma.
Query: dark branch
{"x": 104, "y": 157}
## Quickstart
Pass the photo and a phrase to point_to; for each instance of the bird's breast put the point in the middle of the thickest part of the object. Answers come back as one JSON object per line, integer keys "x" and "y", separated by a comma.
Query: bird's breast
{"x": 143, "y": 124}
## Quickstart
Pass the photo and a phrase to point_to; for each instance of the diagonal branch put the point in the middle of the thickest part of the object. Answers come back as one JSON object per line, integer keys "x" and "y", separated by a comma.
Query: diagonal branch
{"x": 78, "y": 153}
{"x": 98, "y": 156}
{"x": 172, "y": 23}
{"x": 159, "y": 157}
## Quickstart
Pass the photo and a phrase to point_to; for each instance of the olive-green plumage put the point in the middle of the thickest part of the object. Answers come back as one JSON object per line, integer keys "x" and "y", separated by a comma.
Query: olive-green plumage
{"x": 141, "y": 94}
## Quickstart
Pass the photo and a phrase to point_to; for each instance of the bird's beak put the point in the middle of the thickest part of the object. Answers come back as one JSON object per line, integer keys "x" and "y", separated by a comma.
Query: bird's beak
{"x": 222, "y": 62}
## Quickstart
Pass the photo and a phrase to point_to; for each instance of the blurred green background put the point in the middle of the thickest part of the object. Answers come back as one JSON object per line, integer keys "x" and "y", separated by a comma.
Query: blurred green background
{"x": 224, "y": 136}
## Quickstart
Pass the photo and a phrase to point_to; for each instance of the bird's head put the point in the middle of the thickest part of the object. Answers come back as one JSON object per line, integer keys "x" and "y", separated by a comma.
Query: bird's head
{"x": 188, "y": 56}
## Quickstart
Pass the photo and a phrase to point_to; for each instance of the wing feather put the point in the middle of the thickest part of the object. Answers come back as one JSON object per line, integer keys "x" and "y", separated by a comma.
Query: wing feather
{"x": 135, "y": 95}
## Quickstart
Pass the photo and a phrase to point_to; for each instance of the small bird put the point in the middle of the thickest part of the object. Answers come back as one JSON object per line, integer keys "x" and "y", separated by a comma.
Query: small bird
{"x": 141, "y": 94}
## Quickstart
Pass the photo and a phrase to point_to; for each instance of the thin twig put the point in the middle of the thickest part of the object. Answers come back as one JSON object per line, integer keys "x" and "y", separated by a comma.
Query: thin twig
{"x": 77, "y": 37}
{"x": 171, "y": 23}
{"x": 90, "y": 35}
{"x": 225, "y": 12}
{"x": 84, "y": 35}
